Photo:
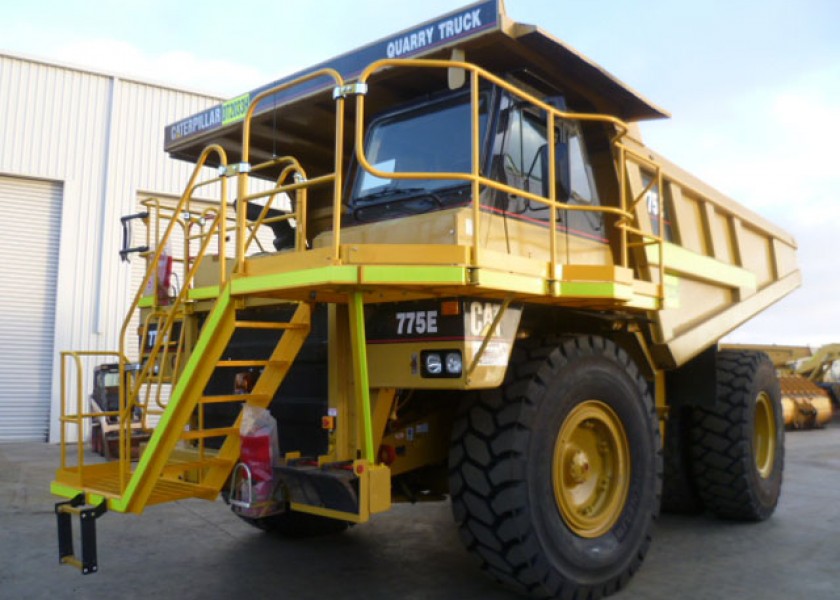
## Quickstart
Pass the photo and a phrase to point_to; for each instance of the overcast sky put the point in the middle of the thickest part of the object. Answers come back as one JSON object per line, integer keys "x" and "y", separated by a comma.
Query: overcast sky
{"x": 753, "y": 87}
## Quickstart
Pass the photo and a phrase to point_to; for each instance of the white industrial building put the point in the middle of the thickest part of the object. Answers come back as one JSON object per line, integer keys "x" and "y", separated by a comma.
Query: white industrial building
{"x": 78, "y": 149}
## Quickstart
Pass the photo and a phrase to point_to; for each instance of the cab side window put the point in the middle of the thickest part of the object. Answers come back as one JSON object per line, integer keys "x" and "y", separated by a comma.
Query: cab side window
{"x": 524, "y": 166}
{"x": 524, "y": 157}
{"x": 582, "y": 190}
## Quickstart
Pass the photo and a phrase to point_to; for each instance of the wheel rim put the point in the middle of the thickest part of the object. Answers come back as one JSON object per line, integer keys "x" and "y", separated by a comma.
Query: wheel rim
{"x": 591, "y": 469}
{"x": 764, "y": 435}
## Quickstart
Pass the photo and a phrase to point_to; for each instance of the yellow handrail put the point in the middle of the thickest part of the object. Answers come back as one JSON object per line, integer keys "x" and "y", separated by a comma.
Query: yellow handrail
{"x": 626, "y": 222}
{"x": 128, "y": 397}
{"x": 623, "y": 211}
{"x": 242, "y": 178}
{"x": 300, "y": 185}
{"x": 80, "y": 415}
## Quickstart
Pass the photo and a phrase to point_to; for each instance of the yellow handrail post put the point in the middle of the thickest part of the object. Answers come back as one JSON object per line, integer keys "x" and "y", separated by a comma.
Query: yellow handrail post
{"x": 80, "y": 449}
{"x": 222, "y": 239}
{"x": 661, "y": 235}
{"x": 241, "y": 205}
{"x": 475, "y": 162}
{"x": 337, "y": 183}
{"x": 622, "y": 185}
{"x": 63, "y": 411}
{"x": 552, "y": 195}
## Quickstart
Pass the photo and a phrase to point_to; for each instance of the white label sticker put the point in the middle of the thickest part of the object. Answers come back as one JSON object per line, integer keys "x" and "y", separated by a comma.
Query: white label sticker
{"x": 495, "y": 354}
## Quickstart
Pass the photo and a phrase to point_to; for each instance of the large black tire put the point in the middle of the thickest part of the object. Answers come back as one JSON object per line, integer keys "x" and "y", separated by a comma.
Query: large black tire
{"x": 297, "y": 524}
{"x": 521, "y": 478}
{"x": 738, "y": 445}
{"x": 679, "y": 490}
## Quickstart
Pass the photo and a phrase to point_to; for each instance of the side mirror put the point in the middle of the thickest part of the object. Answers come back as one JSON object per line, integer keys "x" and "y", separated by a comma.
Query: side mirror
{"x": 455, "y": 77}
{"x": 561, "y": 170}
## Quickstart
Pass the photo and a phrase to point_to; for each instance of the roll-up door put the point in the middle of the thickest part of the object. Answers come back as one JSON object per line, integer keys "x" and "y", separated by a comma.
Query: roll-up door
{"x": 30, "y": 223}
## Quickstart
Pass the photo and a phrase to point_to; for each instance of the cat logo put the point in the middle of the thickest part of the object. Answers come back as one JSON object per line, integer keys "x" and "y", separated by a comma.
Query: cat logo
{"x": 482, "y": 315}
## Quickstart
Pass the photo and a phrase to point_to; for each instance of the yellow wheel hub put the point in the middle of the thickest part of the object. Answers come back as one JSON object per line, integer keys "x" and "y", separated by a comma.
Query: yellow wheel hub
{"x": 591, "y": 469}
{"x": 764, "y": 435}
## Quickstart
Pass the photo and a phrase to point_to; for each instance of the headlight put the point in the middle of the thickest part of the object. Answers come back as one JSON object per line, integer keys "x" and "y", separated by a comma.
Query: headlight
{"x": 454, "y": 364}
{"x": 441, "y": 363}
{"x": 434, "y": 366}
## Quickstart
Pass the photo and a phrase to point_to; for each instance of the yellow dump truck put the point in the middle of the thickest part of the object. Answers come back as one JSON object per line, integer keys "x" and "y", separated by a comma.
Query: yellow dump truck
{"x": 448, "y": 266}
{"x": 810, "y": 392}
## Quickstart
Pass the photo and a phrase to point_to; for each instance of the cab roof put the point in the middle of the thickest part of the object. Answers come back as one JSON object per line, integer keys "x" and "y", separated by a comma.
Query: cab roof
{"x": 481, "y": 30}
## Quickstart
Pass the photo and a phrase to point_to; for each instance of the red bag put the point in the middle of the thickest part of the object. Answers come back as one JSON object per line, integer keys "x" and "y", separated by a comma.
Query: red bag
{"x": 256, "y": 453}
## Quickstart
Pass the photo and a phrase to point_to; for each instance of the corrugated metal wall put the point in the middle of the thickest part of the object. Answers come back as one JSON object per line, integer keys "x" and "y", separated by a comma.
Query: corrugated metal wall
{"x": 101, "y": 137}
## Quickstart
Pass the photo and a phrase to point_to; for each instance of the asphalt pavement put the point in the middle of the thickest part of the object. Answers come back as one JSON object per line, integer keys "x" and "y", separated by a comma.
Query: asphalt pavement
{"x": 198, "y": 549}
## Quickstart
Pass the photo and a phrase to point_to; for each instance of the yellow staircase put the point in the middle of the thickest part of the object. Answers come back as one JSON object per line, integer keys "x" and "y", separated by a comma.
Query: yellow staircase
{"x": 163, "y": 474}
{"x": 159, "y": 476}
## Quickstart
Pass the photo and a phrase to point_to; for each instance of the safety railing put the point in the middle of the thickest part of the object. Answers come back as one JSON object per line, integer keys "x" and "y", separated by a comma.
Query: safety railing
{"x": 646, "y": 238}
{"x": 293, "y": 179}
{"x": 625, "y": 211}
{"x": 168, "y": 361}
{"x": 300, "y": 184}
{"x": 81, "y": 363}
{"x": 172, "y": 311}
{"x": 291, "y": 169}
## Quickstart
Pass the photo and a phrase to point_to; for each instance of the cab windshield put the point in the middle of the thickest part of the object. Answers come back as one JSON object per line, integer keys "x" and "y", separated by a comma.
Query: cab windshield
{"x": 433, "y": 138}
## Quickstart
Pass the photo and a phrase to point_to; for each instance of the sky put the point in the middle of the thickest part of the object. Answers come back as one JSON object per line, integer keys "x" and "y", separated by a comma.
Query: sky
{"x": 753, "y": 87}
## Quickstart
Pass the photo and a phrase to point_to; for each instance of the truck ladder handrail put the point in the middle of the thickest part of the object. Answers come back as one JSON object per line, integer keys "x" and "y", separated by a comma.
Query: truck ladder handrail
{"x": 160, "y": 316}
{"x": 219, "y": 223}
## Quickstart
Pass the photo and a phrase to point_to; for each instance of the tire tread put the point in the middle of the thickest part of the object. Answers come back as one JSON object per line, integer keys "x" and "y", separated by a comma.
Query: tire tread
{"x": 493, "y": 524}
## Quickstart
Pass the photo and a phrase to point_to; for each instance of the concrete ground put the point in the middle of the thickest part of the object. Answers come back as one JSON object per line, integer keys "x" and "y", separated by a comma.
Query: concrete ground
{"x": 197, "y": 549}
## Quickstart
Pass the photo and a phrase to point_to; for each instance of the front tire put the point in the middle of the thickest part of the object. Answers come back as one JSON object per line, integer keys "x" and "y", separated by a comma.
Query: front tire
{"x": 738, "y": 445}
{"x": 556, "y": 477}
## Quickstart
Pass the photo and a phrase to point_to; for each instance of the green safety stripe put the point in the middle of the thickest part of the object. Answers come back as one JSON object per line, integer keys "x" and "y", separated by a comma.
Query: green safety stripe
{"x": 59, "y": 489}
{"x": 204, "y": 293}
{"x": 277, "y": 281}
{"x": 596, "y": 289}
{"x": 411, "y": 274}
{"x": 357, "y": 322}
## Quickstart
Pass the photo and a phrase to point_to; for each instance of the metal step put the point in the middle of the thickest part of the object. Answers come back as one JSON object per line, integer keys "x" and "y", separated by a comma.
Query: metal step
{"x": 269, "y": 325}
{"x": 175, "y": 466}
{"x": 203, "y": 434}
{"x": 255, "y": 398}
{"x": 242, "y": 363}
{"x": 170, "y": 490}
{"x": 64, "y": 512}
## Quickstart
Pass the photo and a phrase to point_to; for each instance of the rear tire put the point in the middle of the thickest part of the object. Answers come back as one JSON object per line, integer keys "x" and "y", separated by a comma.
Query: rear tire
{"x": 539, "y": 471}
{"x": 679, "y": 490}
{"x": 738, "y": 445}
